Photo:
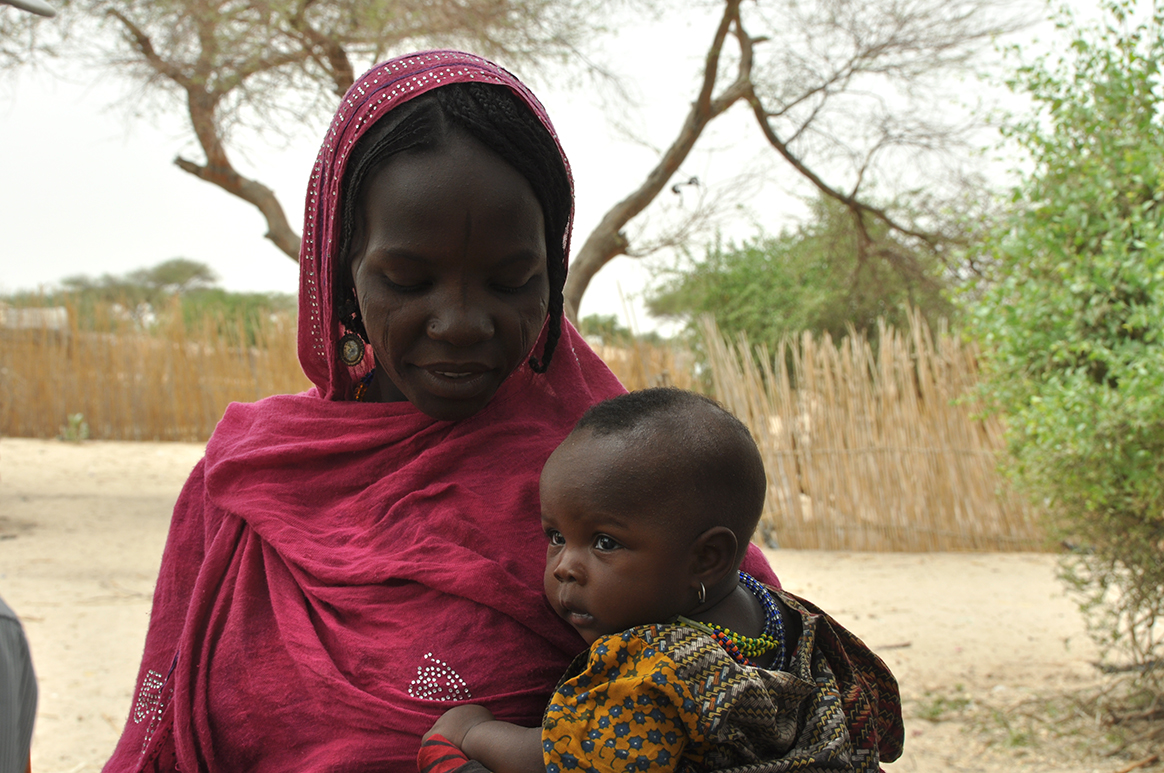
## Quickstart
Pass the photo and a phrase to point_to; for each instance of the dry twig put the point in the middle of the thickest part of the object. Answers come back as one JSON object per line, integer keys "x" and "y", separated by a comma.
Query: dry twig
{"x": 1141, "y": 764}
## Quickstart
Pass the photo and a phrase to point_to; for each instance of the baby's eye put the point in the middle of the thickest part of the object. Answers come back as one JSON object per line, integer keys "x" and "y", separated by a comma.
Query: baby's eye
{"x": 555, "y": 537}
{"x": 606, "y": 542}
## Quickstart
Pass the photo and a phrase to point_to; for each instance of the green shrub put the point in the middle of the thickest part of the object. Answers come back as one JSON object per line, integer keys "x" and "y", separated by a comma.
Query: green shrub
{"x": 812, "y": 278}
{"x": 1072, "y": 323}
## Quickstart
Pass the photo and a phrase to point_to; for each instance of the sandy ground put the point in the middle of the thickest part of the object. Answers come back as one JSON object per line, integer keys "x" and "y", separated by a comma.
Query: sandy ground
{"x": 82, "y": 528}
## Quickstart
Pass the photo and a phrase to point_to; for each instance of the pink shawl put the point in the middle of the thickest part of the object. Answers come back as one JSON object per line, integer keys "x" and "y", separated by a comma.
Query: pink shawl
{"x": 337, "y": 574}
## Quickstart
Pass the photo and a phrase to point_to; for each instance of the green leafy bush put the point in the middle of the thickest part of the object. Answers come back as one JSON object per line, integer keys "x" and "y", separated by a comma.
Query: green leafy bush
{"x": 1072, "y": 323}
{"x": 812, "y": 278}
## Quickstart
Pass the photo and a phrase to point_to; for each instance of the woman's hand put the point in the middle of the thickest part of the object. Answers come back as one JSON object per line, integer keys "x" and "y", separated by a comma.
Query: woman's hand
{"x": 456, "y": 723}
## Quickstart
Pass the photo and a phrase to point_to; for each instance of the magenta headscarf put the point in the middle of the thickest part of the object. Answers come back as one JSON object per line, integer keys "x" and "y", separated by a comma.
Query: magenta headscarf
{"x": 338, "y": 574}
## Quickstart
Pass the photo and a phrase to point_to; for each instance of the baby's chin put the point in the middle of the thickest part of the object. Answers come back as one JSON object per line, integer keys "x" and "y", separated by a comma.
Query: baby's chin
{"x": 585, "y": 624}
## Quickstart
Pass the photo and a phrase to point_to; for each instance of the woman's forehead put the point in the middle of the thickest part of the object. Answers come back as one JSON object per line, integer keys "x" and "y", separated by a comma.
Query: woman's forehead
{"x": 460, "y": 198}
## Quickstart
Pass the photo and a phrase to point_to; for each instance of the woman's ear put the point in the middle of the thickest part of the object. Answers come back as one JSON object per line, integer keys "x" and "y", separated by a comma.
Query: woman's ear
{"x": 714, "y": 555}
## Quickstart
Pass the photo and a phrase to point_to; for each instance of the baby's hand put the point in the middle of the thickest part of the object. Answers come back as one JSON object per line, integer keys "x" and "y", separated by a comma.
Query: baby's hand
{"x": 454, "y": 724}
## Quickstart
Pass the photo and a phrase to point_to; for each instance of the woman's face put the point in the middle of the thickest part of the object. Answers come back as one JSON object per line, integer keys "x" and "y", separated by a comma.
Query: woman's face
{"x": 450, "y": 272}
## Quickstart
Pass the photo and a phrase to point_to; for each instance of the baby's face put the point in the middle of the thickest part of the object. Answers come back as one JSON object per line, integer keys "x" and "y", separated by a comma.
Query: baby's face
{"x": 610, "y": 565}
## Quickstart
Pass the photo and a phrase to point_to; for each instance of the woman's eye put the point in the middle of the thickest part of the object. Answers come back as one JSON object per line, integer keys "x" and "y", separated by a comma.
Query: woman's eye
{"x": 604, "y": 542}
{"x": 512, "y": 287}
{"x": 404, "y": 287}
{"x": 555, "y": 537}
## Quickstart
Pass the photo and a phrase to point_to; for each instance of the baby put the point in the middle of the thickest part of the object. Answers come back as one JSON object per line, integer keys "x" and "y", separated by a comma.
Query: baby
{"x": 648, "y": 507}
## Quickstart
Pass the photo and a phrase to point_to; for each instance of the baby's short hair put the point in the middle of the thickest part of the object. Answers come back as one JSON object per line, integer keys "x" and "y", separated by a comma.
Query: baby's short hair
{"x": 713, "y": 462}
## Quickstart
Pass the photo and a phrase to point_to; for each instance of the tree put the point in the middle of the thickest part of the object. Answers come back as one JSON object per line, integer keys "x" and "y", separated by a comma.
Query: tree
{"x": 606, "y": 328}
{"x": 837, "y": 89}
{"x": 174, "y": 277}
{"x": 236, "y": 64}
{"x": 1070, "y": 323}
{"x": 809, "y": 278}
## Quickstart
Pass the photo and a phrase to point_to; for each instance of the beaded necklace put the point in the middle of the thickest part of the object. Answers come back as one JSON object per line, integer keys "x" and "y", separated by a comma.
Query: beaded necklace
{"x": 747, "y": 649}
{"x": 362, "y": 388}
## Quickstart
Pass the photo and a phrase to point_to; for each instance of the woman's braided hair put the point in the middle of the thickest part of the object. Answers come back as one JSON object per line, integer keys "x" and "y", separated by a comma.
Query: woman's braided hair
{"x": 496, "y": 118}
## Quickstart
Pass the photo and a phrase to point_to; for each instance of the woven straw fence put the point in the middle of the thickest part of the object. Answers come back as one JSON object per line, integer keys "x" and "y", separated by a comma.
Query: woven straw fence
{"x": 877, "y": 451}
{"x": 169, "y": 384}
{"x": 643, "y": 365}
{"x": 868, "y": 452}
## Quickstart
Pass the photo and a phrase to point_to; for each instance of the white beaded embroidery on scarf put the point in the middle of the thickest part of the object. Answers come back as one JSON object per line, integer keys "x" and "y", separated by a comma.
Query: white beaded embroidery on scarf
{"x": 150, "y": 703}
{"x": 438, "y": 681}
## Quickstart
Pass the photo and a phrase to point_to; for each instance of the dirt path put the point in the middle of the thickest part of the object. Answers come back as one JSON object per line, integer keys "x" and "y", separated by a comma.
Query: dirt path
{"x": 82, "y": 528}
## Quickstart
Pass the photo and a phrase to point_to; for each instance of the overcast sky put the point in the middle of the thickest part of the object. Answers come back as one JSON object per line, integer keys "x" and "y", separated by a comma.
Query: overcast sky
{"x": 86, "y": 188}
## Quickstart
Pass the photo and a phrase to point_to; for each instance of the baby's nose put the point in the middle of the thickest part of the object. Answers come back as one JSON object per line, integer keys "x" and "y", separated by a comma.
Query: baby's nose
{"x": 569, "y": 570}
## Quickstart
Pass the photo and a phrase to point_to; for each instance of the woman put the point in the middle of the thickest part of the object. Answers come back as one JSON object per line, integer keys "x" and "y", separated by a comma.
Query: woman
{"x": 345, "y": 562}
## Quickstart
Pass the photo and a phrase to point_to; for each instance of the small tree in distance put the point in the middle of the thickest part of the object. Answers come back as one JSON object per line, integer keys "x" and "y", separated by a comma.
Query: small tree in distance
{"x": 175, "y": 276}
{"x": 1071, "y": 324}
{"x": 174, "y": 290}
{"x": 813, "y": 278}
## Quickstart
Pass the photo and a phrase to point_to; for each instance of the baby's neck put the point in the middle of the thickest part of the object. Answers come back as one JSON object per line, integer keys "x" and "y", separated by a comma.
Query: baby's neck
{"x": 738, "y": 610}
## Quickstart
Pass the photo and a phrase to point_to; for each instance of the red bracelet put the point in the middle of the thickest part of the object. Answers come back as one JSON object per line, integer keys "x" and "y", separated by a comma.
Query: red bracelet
{"x": 439, "y": 755}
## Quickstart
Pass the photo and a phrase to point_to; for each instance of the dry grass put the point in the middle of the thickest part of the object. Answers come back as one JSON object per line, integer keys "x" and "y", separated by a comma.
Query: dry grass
{"x": 873, "y": 451}
{"x": 1108, "y": 725}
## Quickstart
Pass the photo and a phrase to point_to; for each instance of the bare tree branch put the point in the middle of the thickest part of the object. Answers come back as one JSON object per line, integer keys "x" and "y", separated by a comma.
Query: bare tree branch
{"x": 261, "y": 64}
{"x": 279, "y": 230}
{"x": 145, "y": 47}
{"x": 836, "y": 95}
{"x": 855, "y": 205}
{"x": 327, "y": 51}
{"x": 607, "y": 240}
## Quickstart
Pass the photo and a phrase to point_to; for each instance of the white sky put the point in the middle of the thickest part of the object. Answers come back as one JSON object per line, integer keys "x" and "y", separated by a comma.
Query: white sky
{"x": 87, "y": 189}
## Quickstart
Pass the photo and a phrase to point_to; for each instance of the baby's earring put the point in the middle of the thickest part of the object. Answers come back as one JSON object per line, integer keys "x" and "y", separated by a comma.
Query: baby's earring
{"x": 701, "y": 594}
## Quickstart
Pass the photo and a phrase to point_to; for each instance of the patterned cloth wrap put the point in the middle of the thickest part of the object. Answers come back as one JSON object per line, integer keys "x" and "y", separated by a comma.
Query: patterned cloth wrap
{"x": 668, "y": 698}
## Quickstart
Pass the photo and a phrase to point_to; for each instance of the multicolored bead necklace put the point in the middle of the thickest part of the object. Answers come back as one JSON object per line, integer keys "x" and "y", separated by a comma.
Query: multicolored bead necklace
{"x": 361, "y": 388}
{"x": 748, "y": 649}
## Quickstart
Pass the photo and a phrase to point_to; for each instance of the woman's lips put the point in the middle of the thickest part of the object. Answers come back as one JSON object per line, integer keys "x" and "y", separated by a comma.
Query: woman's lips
{"x": 456, "y": 381}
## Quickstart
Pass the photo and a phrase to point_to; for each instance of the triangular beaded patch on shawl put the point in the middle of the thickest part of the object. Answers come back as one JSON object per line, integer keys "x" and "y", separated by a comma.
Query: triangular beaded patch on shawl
{"x": 436, "y": 680}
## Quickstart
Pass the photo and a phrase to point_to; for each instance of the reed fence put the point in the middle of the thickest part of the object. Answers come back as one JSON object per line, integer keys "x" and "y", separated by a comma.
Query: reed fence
{"x": 873, "y": 449}
{"x": 866, "y": 449}
{"x": 641, "y": 365}
{"x": 171, "y": 383}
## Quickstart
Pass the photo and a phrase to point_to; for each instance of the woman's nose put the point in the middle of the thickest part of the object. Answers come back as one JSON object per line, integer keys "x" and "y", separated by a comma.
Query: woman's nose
{"x": 460, "y": 321}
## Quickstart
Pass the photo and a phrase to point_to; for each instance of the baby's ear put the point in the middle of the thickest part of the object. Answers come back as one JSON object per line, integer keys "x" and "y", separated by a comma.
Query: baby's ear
{"x": 714, "y": 554}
